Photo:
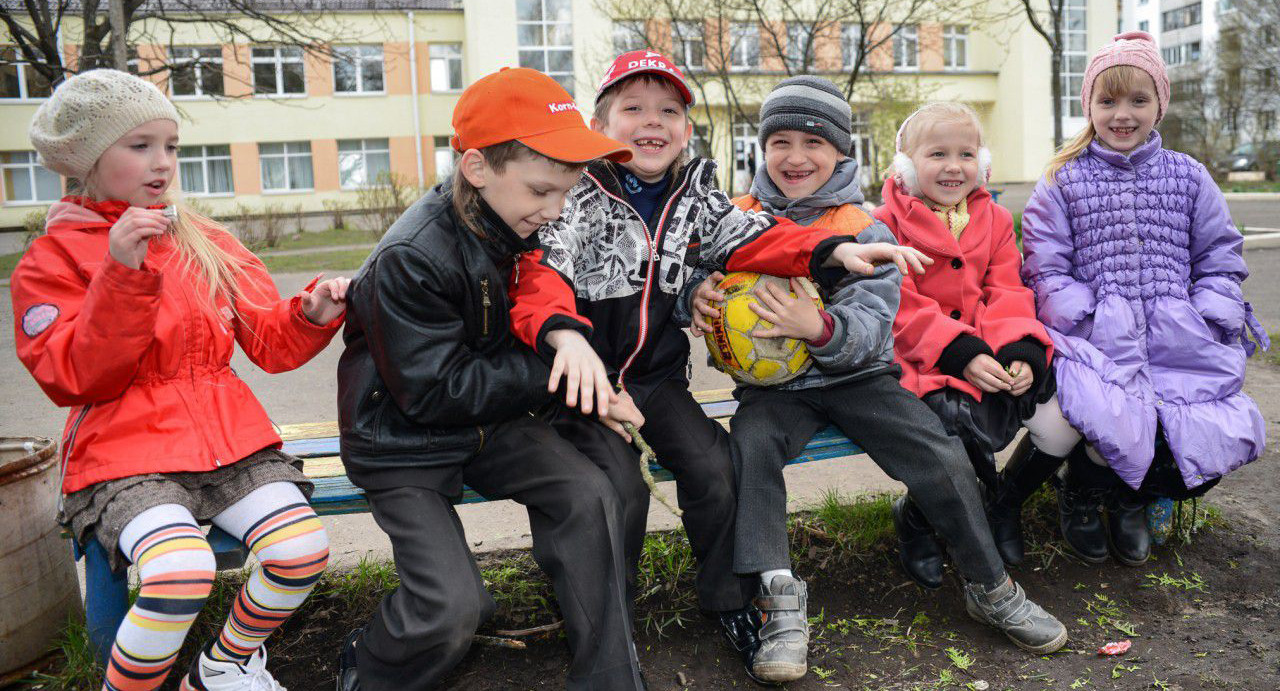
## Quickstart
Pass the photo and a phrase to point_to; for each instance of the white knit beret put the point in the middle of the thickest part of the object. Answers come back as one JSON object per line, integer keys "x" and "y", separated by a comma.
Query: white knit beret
{"x": 87, "y": 114}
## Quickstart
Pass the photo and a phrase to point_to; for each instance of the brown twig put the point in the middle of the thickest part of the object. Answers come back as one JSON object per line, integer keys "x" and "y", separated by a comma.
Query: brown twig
{"x": 646, "y": 457}
{"x": 499, "y": 642}
{"x": 556, "y": 625}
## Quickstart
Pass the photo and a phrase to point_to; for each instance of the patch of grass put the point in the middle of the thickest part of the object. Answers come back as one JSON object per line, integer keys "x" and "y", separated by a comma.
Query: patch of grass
{"x": 343, "y": 260}
{"x": 959, "y": 658}
{"x": 665, "y": 595}
{"x": 521, "y": 590}
{"x": 859, "y": 523}
{"x": 1107, "y": 613}
{"x": 79, "y": 669}
{"x": 1258, "y": 186}
{"x": 326, "y": 238}
{"x": 1273, "y": 355}
{"x": 1186, "y": 583}
{"x": 8, "y": 262}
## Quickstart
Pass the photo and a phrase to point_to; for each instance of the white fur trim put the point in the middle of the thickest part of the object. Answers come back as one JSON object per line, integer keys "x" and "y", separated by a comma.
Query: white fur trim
{"x": 904, "y": 171}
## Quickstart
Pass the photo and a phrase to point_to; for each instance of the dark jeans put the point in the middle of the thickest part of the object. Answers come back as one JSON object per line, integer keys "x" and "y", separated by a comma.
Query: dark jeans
{"x": 423, "y": 629}
{"x": 696, "y": 451}
{"x": 900, "y": 433}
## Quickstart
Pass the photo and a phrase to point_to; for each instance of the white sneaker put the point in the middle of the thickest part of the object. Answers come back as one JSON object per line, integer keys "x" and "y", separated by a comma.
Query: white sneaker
{"x": 207, "y": 674}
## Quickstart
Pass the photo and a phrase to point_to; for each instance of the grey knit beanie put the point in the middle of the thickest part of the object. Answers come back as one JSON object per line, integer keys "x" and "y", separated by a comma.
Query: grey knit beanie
{"x": 808, "y": 104}
{"x": 87, "y": 114}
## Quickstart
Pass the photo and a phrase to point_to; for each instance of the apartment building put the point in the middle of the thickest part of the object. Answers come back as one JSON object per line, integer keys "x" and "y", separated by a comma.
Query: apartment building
{"x": 276, "y": 124}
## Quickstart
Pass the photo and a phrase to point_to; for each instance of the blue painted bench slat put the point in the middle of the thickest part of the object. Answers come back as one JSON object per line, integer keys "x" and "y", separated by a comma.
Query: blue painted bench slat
{"x": 107, "y": 594}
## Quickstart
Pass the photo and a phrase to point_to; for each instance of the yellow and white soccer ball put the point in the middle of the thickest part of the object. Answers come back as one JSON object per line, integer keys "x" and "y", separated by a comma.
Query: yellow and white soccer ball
{"x": 751, "y": 359}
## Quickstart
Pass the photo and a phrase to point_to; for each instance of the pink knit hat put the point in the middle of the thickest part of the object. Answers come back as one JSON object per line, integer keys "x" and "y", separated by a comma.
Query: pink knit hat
{"x": 1135, "y": 48}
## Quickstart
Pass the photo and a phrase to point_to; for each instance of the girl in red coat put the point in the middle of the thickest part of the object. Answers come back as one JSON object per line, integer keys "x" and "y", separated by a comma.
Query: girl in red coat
{"x": 966, "y": 334}
{"x": 127, "y": 313}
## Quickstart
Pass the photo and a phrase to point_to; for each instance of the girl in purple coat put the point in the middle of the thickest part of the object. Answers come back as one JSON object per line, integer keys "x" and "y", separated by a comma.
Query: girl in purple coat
{"x": 1136, "y": 267}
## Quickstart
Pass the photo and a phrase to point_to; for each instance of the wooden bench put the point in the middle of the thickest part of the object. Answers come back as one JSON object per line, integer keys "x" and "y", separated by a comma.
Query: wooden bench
{"x": 107, "y": 593}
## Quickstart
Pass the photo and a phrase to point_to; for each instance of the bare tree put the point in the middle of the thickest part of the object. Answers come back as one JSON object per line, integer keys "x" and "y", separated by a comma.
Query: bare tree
{"x": 112, "y": 29}
{"x": 1046, "y": 18}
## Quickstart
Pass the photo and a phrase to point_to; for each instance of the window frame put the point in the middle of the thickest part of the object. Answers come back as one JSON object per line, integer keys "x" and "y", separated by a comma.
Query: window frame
{"x": 903, "y": 34}
{"x": 205, "y": 158}
{"x": 24, "y": 88}
{"x": 690, "y": 32}
{"x": 30, "y": 166}
{"x": 567, "y": 78}
{"x": 848, "y": 52}
{"x": 199, "y": 65}
{"x": 955, "y": 36}
{"x": 740, "y": 36}
{"x": 439, "y": 145}
{"x": 279, "y": 61}
{"x": 284, "y": 156}
{"x": 448, "y": 60}
{"x": 358, "y": 60}
{"x": 806, "y": 58}
{"x": 634, "y": 29}
{"x": 364, "y": 151}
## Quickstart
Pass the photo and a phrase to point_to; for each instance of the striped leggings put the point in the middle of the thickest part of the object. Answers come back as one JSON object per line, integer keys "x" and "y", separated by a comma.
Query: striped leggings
{"x": 176, "y": 570}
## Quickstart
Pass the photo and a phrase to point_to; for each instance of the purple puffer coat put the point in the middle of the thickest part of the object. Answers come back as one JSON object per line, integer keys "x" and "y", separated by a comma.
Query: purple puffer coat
{"x": 1136, "y": 267}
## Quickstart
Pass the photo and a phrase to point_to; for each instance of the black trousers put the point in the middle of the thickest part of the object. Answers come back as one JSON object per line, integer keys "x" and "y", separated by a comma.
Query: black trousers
{"x": 900, "y": 433}
{"x": 423, "y": 629}
{"x": 696, "y": 451}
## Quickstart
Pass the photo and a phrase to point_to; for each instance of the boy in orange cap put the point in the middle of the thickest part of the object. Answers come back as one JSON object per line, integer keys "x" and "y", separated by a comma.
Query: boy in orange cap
{"x": 435, "y": 391}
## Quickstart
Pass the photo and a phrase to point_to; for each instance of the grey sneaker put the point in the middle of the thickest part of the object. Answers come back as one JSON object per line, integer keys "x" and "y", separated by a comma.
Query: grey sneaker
{"x": 784, "y": 637}
{"x": 1007, "y": 608}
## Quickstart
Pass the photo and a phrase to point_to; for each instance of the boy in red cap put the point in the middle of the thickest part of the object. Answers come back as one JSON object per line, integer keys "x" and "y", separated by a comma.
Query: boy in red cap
{"x": 631, "y": 236}
{"x": 434, "y": 391}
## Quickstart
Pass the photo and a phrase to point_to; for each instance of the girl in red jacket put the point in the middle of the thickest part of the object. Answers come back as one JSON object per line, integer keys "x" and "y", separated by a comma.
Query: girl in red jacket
{"x": 966, "y": 334}
{"x": 127, "y": 313}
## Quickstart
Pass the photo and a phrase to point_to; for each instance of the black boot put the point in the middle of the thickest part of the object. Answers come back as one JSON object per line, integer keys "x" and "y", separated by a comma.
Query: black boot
{"x": 1026, "y": 470}
{"x": 918, "y": 549}
{"x": 1127, "y": 533}
{"x": 1080, "y": 515}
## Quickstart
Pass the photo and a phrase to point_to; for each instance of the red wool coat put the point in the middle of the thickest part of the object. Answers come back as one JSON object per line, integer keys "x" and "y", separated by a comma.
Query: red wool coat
{"x": 140, "y": 355}
{"x": 972, "y": 287}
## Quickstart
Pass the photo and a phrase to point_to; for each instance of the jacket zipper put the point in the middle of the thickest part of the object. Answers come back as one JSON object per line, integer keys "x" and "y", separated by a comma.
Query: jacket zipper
{"x": 67, "y": 445}
{"x": 656, "y": 240}
{"x": 486, "y": 303}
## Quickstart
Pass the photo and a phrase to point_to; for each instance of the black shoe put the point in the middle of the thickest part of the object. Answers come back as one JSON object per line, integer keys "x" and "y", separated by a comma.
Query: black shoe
{"x": 1022, "y": 476}
{"x": 347, "y": 678}
{"x": 1127, "y": 532}
{"x": 1080, "y": 518}
{"x": 741, "y": 630}
{"x": 918, "y": 549}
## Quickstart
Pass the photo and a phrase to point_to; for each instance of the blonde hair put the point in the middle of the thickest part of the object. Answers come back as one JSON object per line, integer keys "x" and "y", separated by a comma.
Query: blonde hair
{"x": 918, "y": 124}
{"x": 193, "y": 237}
{"x": 1114, "y": 82}
{"x": 466, "y": 197}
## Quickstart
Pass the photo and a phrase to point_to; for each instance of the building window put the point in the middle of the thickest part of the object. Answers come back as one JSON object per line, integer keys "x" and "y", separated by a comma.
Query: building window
{"x": 955, "y": 47}
{"x": 699, "y": 145}
{"x": 850, "y": 44}
{"x": 444, "y": 157}
{"x": 196, "y": 71}
{"x": 906, "y": 47}
{"x": 205, "y": 170}
{"x": 690, "y": 47}
{"x": 1180, "y": 18}
{"x": 544, "y": 36}
{"x": 446, "y": 66}
{"x": 363, "y": 162}
{"x": 278, "y": 71}
{"x": 745, "y": 46}
{"x": 358, "y": 70}
{"x": 1144, "y": 26}
{"x": 1266, "y": 121}
{"x": 629, "y": 35}
{"x": 1075, "y": 56}
{"x": 286, "y": 166}
{"x": 1267, "y": 77}
{"x": 1181, "y": 54}
{"x": 799, "y": 46}
{"x": 746, "y": 153}
{"x": 26, "y": 181}
{"x": 18, "y": 79}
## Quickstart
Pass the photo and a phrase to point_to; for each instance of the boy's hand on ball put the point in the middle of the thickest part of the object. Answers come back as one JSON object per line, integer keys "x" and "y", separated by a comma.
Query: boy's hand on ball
{"x": 792, "y": 316}
{"x": 988, "y": 375}
{"x": 1022, "y": 377}
{"x": 863, "y": 259}
{"x": 623, "y": 410}
{"x": 588, "y": 385}
{"x": 704, "y": 299}
{"x": 326, "y": 301}
{"x": 128, "y": 239}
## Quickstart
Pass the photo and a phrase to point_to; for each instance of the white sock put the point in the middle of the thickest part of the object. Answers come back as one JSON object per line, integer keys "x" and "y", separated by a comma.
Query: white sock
{"x": 767, "y": 576}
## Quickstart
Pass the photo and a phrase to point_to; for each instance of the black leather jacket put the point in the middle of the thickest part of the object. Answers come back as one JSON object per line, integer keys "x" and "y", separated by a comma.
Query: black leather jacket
{"x": 430, "y": 365}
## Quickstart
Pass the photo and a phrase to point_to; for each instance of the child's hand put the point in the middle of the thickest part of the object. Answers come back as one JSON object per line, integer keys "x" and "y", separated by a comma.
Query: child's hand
{"x": 326, "y": 302}
{"x": 128, "y": 239}
{"x": 623, "y": 410}
{"x": 792, "y": 316}
{"x": 863, "y": 259}
{"x": 577, "y": 360}
{"x": 703, "y": 297}
{"x": 985, "y": 373}
{"x": 1023, "y": 377}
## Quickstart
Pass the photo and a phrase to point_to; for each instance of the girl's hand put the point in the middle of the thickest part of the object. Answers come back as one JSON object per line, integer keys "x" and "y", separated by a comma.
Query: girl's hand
{"x": 623, "y": 410}
{"x": 1023, "y": 377}
{"x": 792, "y": 316}
{"x": 576, "y": 359}
{"x": 985, "y": 373}
{"x": 127, "y": 240}
{"x": 703, "y": 297}
{"x": 863, "y": 259}
{"x": 326, "y": 302}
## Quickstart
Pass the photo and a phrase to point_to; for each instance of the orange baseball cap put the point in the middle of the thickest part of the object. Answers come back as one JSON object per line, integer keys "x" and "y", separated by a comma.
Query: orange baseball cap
{"x": 525, "y": 105}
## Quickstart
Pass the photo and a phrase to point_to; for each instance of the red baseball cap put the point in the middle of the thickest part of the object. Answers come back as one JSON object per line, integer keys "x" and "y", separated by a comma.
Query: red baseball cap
{"x": 525, "y": 105}
{"x": 641, "y": 62}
